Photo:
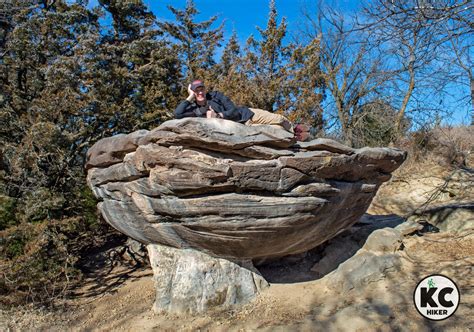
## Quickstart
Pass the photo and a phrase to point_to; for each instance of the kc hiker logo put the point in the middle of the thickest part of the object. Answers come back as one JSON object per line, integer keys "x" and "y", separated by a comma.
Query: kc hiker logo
{"x": 436, "y": 297}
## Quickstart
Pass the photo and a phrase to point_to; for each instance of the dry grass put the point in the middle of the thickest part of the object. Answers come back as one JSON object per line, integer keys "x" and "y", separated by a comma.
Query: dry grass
{"x": 446, "y": 147}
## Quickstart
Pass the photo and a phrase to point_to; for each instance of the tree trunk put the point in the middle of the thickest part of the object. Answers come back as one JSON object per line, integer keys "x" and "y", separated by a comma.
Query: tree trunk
{"x": 343, "y": 115}
{"x": 406, "y": 99}
{"x": 471, "y": 79}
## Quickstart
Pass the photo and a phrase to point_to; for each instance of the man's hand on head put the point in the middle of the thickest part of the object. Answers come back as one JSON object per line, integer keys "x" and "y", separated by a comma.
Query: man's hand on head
{"x": 192, "y": 95}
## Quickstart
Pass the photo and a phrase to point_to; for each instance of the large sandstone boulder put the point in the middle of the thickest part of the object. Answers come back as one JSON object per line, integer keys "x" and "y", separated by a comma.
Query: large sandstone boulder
{"x": 231, "y": 191}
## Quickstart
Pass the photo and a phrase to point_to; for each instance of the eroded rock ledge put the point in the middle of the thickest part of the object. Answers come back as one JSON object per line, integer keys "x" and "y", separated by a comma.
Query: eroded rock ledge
{"x": 231, "y": 191}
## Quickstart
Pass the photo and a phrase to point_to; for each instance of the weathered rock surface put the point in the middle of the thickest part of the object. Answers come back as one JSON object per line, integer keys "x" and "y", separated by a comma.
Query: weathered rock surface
{"x": 353, "y": 251}
{"x": 233, "y": 191}
{"x": 447, "y": 217}
{"x": 371, "y": 263}
{"x": 189, "y": 281}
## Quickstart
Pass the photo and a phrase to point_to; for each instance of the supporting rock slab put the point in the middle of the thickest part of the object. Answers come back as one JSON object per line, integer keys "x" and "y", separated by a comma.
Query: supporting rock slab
{"x": 190, "y": 281}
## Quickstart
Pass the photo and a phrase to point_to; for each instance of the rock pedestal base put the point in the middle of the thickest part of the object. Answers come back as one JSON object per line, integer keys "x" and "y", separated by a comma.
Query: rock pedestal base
{"x": 189, "y": 281}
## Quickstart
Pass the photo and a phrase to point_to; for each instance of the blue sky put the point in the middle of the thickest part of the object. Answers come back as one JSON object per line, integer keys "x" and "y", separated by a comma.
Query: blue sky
{"x": 245, "y": 15}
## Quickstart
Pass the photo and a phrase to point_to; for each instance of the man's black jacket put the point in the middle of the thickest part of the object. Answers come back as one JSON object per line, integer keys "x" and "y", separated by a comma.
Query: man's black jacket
{"x": 219, "y": 103}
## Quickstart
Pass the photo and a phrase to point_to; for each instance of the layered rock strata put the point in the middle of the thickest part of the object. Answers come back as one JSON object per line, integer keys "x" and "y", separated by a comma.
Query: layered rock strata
{"x": 232, "y": 191}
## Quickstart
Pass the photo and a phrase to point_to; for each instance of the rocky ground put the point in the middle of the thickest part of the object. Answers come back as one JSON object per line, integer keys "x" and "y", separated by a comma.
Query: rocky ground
{"x": 361, "y": 280}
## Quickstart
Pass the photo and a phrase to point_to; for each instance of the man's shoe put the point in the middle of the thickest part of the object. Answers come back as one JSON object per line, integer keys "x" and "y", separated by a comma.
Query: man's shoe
{"x": 302, "y": 133}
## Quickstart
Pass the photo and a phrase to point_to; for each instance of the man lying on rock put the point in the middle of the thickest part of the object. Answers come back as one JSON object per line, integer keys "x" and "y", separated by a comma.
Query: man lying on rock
{"x": 215, "y": 104}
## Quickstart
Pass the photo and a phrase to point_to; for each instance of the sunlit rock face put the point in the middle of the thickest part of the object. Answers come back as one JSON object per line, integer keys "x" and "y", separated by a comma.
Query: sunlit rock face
{"x": 233, "y": 191}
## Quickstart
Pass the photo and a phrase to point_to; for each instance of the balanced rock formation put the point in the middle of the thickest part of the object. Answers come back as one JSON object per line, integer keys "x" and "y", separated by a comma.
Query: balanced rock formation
{"x": 230, "y": 192}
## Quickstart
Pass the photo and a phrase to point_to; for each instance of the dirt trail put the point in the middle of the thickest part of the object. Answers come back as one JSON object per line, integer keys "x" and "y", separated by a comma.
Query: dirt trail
{"x": 298, "y": 299}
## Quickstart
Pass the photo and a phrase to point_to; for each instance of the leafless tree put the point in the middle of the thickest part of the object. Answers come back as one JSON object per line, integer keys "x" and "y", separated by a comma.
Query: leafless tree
{"x": 410, "y": 46}
{"x": 432, "y": 12}
{"x": 428, "y": 40}
{"x": 457, "y": 57}
{"x": 353, "y": 69}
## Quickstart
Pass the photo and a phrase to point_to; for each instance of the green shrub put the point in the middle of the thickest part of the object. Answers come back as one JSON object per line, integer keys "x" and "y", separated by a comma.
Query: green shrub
{"x": 13, "y": 245}
{"x": 88, "y": 204}
{"x": 376, "y": 125}
{"x": 7, "y": 212}
{"x": 40, "y": 204}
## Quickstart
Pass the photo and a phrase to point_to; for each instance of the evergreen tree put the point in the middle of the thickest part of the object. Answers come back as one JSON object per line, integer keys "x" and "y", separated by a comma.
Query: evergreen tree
{"x": 305, "y": 84}
{"x": 196, "y": 42}
{"x": 231, "y": 79}
{"x": 41, "y": 175}
{"x": 129, "y": 17}
{"x": 135, "y": 73}
{"x": 230, "y": 56}
{"x": 265, "y": 64}
{"x": 44, "y": 99}
{"x": 65, "y": 85}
